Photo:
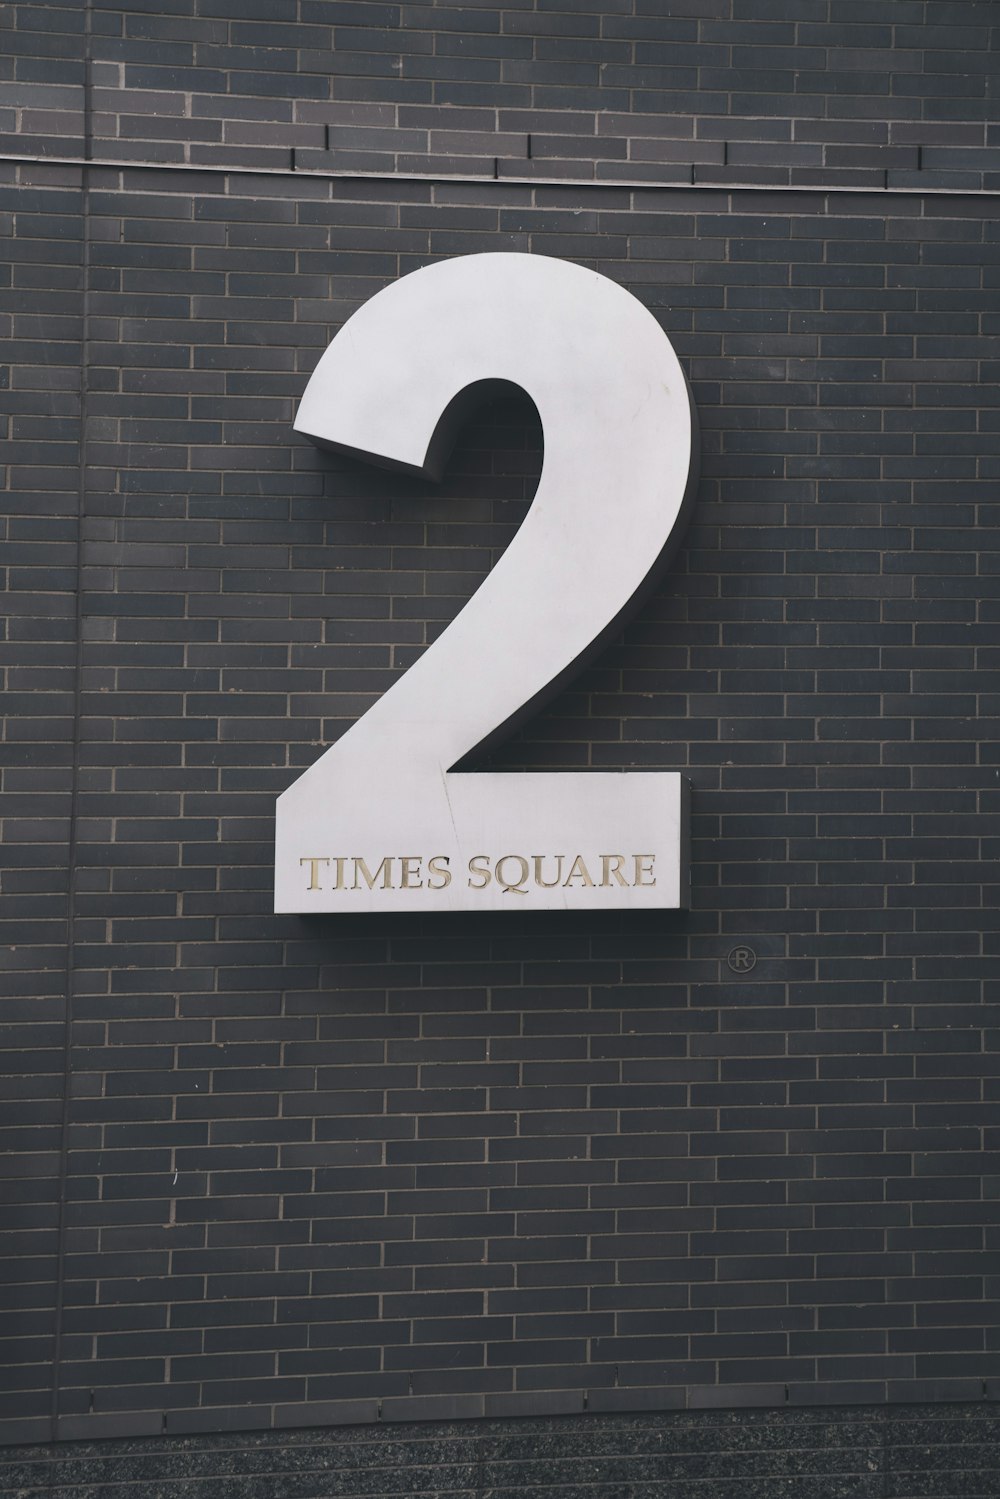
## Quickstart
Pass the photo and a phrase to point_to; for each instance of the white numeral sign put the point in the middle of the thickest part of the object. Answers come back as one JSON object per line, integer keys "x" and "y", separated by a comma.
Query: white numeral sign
{"x": 383, "y": 821}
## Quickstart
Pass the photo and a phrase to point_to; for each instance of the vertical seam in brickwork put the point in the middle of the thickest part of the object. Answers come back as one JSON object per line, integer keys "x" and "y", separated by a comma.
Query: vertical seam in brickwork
{"x": 75, "y": 757}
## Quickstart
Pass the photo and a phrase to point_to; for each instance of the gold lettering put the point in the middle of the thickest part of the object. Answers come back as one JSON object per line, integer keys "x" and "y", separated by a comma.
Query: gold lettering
{"x": 338, "y": 883}
{"x": 411, "y": 876}
{"x": 313, "y": 871}
{"x": 384, "y": 869}
{"x": 578, "y": 871}
{"x": 474, "y": 868}
{"x": 512, "y": 887}
{"x": 641, "y": 863}
{"x": 538, "y": 861}
{"x": 611, "y": 864}
{"x": 434, "y": 866}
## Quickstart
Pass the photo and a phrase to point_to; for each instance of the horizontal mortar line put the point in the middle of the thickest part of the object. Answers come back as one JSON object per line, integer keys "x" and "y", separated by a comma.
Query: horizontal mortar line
{"x": 480, "y": 179}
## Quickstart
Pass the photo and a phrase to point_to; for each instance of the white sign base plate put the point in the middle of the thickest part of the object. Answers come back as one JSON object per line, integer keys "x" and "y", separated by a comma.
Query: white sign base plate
{"x": 489, "y": 842}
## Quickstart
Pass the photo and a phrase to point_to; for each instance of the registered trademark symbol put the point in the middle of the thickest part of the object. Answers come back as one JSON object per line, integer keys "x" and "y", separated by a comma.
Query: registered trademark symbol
{"x": 742, "y": 959}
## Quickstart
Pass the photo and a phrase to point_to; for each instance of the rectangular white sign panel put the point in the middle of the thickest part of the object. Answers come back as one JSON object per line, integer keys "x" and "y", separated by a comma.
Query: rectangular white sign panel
{"x": 508, "y": 842}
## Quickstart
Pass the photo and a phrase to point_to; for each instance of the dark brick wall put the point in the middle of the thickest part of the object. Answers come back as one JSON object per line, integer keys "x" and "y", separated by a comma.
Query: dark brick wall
{"x": 40, "y": 365}
{"x": 316, "y": 1170}
{"x": 314, "y": 1160}
{"x": 943, "y": 1452}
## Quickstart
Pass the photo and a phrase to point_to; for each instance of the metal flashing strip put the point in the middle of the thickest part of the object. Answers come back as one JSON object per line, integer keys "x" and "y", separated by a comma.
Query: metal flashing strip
{"x": 483, "y": 179}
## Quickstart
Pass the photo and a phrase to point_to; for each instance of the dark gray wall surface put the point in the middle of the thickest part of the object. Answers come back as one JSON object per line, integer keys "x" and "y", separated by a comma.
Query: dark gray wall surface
{"x": 314, "y": 1160}
{"x": 298, "y": 1170}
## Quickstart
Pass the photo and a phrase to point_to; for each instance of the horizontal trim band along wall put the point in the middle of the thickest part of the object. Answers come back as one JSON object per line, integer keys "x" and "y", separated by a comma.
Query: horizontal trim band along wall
{"x": 479, "y": 180}
{"x": 517, "y": 1404}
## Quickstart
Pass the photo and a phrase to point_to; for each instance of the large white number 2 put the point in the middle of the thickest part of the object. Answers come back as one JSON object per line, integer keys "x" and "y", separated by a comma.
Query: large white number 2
{"x": 382, "y": 821}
